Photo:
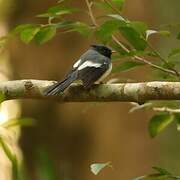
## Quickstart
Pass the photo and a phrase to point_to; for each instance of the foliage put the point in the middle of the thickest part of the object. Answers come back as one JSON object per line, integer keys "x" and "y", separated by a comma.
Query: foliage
{"x": 134, "y": 51}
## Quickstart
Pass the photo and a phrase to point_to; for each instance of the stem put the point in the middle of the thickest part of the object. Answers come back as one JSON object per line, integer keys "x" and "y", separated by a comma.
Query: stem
{"x": 89, "y": 5}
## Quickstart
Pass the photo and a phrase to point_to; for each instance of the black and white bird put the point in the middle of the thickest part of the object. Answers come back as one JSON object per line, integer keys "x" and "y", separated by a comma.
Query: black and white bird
{"x": 92, "y": 67}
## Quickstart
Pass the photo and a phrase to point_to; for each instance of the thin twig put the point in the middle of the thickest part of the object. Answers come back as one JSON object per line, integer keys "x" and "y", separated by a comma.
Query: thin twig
{"x": 154, "y": 65}
{"x": 163, "y": 60}
{"x": 89, "y": 5}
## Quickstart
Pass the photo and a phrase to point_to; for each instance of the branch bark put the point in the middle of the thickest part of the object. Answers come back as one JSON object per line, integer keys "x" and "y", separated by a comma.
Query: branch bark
{"x": 123, "y": 92}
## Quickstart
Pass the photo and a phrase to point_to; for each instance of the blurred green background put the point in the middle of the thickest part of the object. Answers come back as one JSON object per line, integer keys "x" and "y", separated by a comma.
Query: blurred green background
{"x": 69, "y": 137}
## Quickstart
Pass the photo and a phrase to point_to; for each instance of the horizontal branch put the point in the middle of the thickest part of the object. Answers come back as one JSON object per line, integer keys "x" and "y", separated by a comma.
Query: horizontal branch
{"x": 124, "y": 92}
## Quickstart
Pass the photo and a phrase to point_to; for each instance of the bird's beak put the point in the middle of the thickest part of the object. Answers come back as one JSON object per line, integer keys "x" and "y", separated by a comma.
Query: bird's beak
{"x": 113, "y": 51}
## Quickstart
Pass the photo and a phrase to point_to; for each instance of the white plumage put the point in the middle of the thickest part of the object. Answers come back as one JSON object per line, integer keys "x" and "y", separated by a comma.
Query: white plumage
{"x": 89, "y": 64}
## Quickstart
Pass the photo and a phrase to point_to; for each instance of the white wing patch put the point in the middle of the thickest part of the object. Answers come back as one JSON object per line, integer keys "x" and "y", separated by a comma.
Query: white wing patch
{"x": 76, "y": 64}
{"x": 89, "y": 64}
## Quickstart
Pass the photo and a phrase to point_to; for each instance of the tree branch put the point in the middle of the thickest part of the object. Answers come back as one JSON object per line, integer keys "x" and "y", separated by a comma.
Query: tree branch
{"x": 124, "y": 92}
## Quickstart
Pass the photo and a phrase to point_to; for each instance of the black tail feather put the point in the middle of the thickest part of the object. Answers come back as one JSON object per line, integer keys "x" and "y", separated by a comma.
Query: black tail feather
{"x": 62, "y": 85}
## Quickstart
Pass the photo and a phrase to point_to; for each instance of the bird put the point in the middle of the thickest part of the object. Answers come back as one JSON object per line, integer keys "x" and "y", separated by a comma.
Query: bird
{"x": 92, "y": 68}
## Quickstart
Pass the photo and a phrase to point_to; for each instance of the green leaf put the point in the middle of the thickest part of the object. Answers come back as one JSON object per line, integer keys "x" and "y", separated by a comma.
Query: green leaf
{"x": 45, "y": 34}
{"x": 97, "y": 167}
{"x": 132, "y": 31}
{"x": 118, "y": 3}
{"x": 118, "y": 17}
{"x": 126, "y": 66}
{"x": 140, "y": 27}
{"x": 82, "y": 28}
{"x": 19, "y": 122}
{"x": 102, "y": 5}
{"x": 18, "y": 29}
{"x": 64, "y": 24}
{"x": 133, "y": 37}
{"x": 162, "y": 171}
{"x": 162, "y": 32}
{"x": 174, "y": 53}
{"x": 27, "y": 34}
{"x": 158, "y": 123}
{"x": 105, "y": 31}
{"x": 57, "y": 11}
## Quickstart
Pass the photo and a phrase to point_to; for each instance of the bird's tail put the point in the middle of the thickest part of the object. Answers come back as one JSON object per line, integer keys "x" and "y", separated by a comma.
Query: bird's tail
{"x": 62, "y": 85}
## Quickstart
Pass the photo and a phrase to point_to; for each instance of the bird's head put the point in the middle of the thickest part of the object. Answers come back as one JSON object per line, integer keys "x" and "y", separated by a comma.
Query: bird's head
{"x": 102, "y": 50}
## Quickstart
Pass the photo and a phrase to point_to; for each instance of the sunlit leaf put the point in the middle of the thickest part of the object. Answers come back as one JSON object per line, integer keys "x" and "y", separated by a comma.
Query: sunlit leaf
{"x": 158, "y": 123}
{"x": 97, "y": 167}
{"x": 160, "y": 32}
{"x": 45, "y": 34}
{"x": 126, "y": 66}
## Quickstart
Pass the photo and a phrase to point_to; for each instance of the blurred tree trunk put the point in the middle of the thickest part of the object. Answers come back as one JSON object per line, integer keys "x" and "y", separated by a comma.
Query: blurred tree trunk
{"x": 8, "y": 110}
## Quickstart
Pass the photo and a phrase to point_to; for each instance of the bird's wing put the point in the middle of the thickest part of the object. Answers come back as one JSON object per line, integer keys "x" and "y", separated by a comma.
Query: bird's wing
{"x": 90, "y": 74}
